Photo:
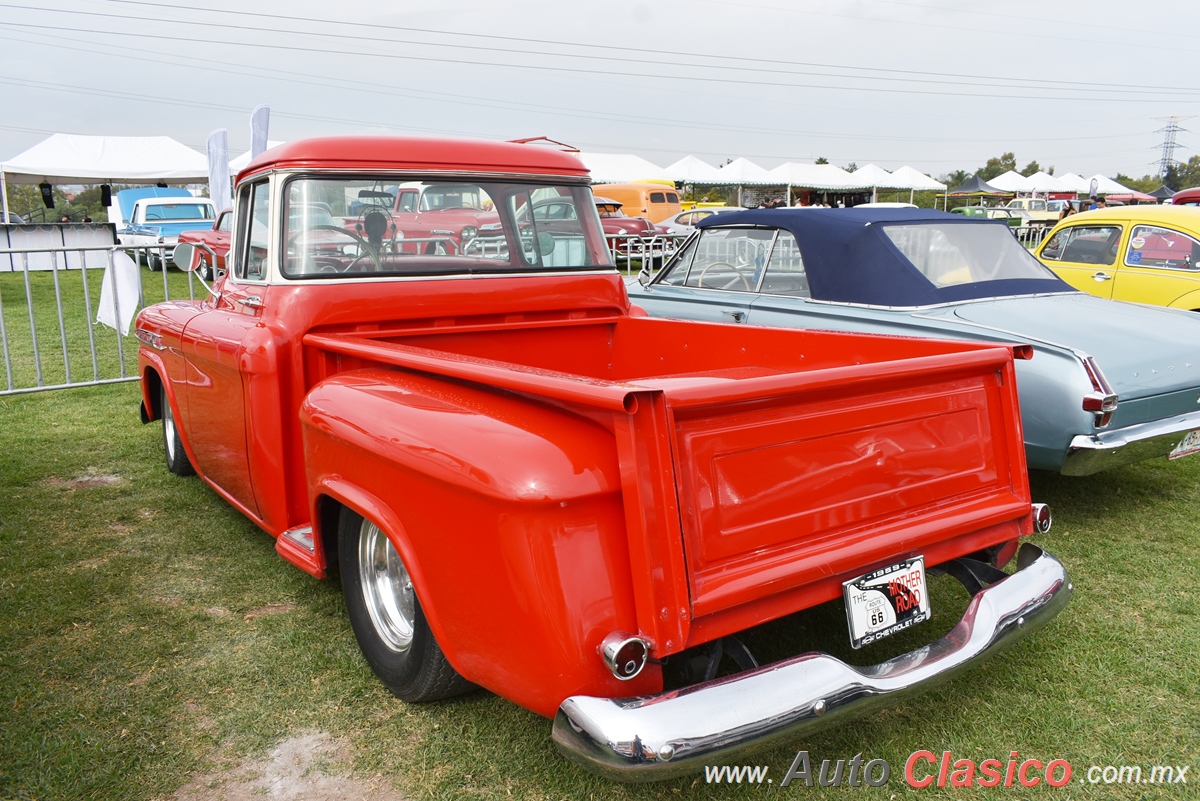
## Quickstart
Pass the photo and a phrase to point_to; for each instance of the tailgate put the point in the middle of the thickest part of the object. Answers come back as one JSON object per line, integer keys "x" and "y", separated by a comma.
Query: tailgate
{"x": 848, "y": 468}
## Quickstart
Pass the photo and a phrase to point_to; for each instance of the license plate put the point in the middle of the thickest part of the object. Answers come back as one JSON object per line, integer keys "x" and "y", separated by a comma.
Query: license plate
{"x": 887, "y": 600}
{"x": 1187, "y": 446}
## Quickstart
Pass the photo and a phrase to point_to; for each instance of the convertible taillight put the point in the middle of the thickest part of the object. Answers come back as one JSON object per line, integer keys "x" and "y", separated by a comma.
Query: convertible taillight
{"x": 1102, "y": 400}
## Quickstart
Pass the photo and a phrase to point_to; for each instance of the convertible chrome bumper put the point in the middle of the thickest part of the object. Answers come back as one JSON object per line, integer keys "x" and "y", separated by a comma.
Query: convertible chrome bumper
{"x": 1091, "y": 453}
{"x": 673, "y": 733}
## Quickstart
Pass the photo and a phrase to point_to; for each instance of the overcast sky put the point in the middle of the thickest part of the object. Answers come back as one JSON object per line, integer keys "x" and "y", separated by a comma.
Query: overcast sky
{"x": 937, "y": 84}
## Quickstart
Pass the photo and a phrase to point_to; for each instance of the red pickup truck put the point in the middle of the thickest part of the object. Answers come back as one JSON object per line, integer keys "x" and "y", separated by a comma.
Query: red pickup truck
{"x": 525, "y": 485}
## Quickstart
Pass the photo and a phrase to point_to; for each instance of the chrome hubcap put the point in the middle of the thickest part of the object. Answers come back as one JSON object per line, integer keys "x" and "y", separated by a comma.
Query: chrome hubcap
{"x": 387, "y": 588}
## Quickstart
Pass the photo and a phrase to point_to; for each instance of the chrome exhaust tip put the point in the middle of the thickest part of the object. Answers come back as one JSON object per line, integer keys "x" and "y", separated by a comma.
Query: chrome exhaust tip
{"x": 1042, "y": 519}
{"x": 624, "y": 654}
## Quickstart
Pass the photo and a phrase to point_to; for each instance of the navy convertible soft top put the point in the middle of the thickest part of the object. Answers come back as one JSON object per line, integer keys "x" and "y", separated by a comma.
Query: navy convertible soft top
{"x": 849, "y": 259}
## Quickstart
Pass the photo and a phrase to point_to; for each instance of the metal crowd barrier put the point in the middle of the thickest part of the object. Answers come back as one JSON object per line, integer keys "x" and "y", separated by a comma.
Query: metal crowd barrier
{"x": 628, "y": 248}
{"x": 1031, "y": 235}
{"x": 49, "y": 301}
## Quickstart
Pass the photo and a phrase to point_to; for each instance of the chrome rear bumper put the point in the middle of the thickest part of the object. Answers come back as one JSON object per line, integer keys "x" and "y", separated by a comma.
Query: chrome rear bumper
{"x": 673, "y": 733}
{"x": 1104, "y": 450}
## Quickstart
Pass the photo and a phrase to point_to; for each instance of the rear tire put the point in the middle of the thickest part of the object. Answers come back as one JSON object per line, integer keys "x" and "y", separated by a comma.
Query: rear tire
{"x": 387, "y": 618}
{"x": 177, "y": 459}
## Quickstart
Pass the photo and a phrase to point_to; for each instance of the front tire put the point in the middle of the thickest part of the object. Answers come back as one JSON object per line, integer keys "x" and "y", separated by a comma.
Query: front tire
{"x": 177, "y": 459}
{"x": 387, "y": 618}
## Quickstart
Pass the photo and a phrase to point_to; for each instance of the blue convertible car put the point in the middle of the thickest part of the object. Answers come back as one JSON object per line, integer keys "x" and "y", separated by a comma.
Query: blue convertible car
{"x": 1110, "y": 383}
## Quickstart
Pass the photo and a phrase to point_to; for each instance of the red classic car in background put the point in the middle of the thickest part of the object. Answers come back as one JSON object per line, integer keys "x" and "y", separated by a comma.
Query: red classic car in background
{"x": 529, "y": 488}
{"x": 214, "y": 244}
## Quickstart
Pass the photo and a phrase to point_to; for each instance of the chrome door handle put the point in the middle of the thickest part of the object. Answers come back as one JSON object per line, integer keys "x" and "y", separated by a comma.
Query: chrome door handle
{"x": 253, "y": 302}
{"x": 1101, "y": 277}
{"x": 738, "y": 316}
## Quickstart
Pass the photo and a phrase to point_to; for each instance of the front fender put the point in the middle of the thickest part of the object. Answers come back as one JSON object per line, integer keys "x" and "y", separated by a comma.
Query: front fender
{"x": 507, "y": 512}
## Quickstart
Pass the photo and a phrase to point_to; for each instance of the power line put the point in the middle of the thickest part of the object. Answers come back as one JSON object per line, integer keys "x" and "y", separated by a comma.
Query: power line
{"x": 1049, "y": 85}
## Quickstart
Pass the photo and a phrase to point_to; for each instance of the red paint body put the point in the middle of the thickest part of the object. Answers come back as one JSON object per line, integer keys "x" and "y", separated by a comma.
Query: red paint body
{"x": 553, "y": 469}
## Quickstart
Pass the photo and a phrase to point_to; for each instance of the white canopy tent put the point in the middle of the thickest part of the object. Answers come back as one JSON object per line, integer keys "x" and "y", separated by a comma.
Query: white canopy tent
{"x": 621, "y": 168}
{"x": 1075, "y": 183}
{"x": 691, "y": 170}
{"x": 76, "y": 159}
{"x": 816, "y": 176}
{"x": 742, "y": 172}
{"x": 1044, "y": 182}
{"x": 877, "y": 178}
{"x": 1011, "y": 181}
{"x": 1107, "y": 186}
{"x": 916, "y": 181}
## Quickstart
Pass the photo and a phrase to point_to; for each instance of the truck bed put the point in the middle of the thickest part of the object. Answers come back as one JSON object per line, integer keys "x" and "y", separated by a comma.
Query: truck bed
{"x": 804, "y": 453}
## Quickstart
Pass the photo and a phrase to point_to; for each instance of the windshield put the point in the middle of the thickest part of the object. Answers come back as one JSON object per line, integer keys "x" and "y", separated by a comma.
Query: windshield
{"x": 952, "y": 254}
{"x": 179, "y": 211}
{"x": 351, "y": 227}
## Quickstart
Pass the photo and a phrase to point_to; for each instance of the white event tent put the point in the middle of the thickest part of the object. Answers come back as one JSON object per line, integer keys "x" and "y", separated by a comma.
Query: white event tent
{"x": 916, "y": 180}
{"x": 1076, "y": 183}
{"x": 816, "y": 176}
{"x": 877, "y": 178}
{"x": 1044, "y": 182}
{"x": 1011, "y": 181}
{"x": 743, "y": 172}
{"x": 76, "y": 159}
{"x": 1107, "y": 186}
{"x": 620, "y": 168}
{"x": 691, "y": 170}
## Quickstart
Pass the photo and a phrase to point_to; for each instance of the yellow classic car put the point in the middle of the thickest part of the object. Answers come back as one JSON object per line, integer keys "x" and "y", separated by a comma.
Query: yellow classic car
{"x": 1143, "y": 254}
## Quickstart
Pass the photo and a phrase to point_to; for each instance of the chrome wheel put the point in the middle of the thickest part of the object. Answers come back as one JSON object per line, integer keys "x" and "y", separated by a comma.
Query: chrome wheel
{"x": 386, "y": 587}
{"x": 169, "y": 430}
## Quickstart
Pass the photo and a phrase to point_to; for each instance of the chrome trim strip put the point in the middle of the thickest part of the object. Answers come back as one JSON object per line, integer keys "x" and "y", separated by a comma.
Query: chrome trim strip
{"x": 1091, "y": 453}
{"x": 660, "y": 736}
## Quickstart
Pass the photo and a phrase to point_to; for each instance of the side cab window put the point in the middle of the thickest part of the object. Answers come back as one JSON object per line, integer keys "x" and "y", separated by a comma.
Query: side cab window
{"x": 253, "y": 235}
{"x": 1152, "y": 246}
{"x": 1084, "y": 244}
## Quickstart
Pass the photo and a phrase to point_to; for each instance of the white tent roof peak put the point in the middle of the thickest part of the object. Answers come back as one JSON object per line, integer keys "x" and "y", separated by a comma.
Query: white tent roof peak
{"x": 1011, "y": 181}
{"x": 1077, "y": 183}
{"x": 691, "y": 170}
{"x": 914, "y": 179}
{"x": 1045, "y": 182}
{"x": 621, "y": 168}
{"x": 816, "y": 176}
{"x": 1107, "y": 186}
{"x": 743, "y": 171}
{"x": 876, "y": 177}
{"x": 78, "y": 159}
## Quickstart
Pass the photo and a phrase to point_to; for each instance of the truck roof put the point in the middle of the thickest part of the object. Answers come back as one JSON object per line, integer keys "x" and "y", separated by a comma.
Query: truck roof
{"x": 375, "y": 153}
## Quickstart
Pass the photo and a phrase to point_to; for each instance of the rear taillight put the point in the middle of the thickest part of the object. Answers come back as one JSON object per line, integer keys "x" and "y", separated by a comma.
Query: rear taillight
{"x": 1102, "y": 401}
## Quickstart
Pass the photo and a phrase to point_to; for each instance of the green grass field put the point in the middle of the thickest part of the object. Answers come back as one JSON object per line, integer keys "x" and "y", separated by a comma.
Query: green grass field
{"x": 150, "y": 634}
{"x": 80, "y": 297}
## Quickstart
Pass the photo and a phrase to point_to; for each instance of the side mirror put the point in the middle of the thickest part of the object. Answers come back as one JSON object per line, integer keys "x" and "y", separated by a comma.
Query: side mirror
{"x": 186, "y": 257}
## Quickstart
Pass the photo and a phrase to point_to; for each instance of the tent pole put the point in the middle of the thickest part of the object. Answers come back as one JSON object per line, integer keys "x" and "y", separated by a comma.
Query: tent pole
{"x": 3, "y": 195}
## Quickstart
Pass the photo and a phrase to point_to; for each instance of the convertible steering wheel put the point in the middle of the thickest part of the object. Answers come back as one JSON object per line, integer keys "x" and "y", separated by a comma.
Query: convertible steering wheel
{"x": 727, "y": 266}
{"x": 369, "y": 252}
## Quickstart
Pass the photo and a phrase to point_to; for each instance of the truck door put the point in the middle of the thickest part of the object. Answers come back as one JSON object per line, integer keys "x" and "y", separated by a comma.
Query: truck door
{"x": 216, "y": 358}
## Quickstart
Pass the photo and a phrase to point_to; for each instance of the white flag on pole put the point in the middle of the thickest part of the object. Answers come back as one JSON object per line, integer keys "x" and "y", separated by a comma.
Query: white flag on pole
{"x": 260, "y": 120}
{"x": 218, "y": 169}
